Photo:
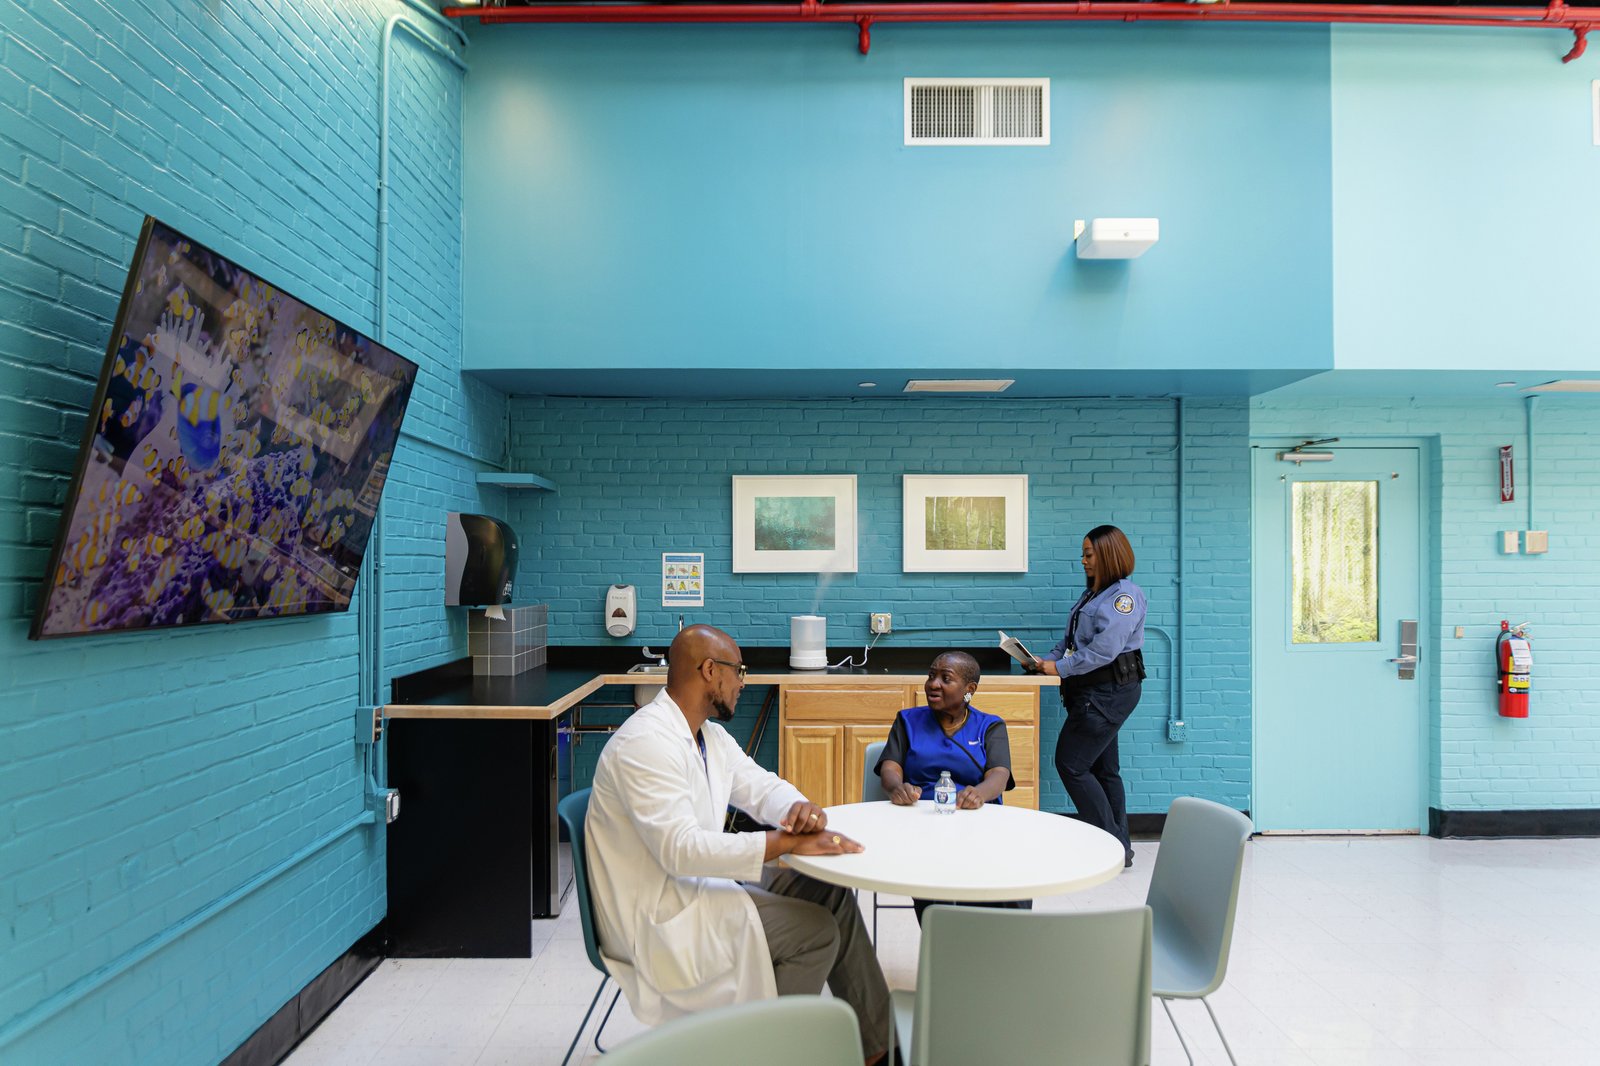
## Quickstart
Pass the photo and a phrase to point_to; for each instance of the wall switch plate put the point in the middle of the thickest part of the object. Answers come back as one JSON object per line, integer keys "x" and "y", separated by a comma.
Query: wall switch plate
{"x": 1178, "y": 731}
{"x": 1536, "y": 541}
{"x": 1509, "y": 541}
{"x": 1461, "y": 631}
{"x": 882, "y": 622}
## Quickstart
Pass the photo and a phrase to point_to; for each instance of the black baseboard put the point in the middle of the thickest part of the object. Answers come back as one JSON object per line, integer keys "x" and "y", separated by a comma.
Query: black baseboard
{"x": 1147, "y": 826}
{"x": 1569, "y": 823}
{"x": 271, "y": 1044}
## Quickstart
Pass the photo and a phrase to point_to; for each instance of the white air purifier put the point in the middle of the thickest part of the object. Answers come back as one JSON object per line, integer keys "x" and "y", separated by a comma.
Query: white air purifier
{"x": 808, "y": 642}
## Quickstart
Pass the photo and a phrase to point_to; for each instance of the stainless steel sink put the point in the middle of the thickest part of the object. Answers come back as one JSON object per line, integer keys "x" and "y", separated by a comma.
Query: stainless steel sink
{"x": 643, "y": 694}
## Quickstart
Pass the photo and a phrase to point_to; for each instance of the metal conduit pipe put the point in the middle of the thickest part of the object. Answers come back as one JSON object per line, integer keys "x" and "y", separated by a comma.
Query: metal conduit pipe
{"x": 1555, "y": 15}
{"x": 369, "y": 616}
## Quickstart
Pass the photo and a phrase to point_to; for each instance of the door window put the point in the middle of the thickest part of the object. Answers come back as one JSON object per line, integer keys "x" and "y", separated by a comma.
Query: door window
{"x": 1334, "y": 565}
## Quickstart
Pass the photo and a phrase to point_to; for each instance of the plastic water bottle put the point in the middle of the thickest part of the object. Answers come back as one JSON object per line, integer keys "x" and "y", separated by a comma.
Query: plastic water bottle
{"x": 944, "y": 794}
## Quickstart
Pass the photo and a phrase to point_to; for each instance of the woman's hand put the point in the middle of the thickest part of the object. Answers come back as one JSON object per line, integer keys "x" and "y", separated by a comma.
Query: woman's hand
{"x": 969, "y": 800}
{"x": 905, "y": 794}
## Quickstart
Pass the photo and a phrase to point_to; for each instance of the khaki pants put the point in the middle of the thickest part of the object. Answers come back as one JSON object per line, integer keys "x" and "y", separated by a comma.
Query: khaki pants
{"x": 816, "y": 936}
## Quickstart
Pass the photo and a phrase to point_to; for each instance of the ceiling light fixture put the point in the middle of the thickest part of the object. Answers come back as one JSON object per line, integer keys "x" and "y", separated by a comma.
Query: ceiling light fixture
{"x": 1567, "y": 385}
{"x": 959, "y": 384}
{"x": 866, "y": 384}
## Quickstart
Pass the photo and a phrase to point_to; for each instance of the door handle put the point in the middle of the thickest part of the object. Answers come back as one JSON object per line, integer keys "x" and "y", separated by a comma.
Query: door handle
{"x": 1406, "y": 661}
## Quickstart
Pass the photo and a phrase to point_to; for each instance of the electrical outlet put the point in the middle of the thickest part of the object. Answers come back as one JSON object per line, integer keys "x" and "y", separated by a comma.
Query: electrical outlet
{"x": 882, "y": 622}
{"x": 1178, "y": 731}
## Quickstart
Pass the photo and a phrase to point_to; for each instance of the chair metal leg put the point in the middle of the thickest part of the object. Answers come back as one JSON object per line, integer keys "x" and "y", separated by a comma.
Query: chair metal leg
{"x": 874, "y": 917}
{"x": 585, "y": 1023}
{"x": 1215, "y": 1025}
{"x": 603, "y": 1021}
{"x": 1181, "y": 1042}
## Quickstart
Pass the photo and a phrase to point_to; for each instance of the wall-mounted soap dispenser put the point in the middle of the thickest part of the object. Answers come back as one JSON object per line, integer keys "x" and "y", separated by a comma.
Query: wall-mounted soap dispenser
{"x": 622, "y": 610}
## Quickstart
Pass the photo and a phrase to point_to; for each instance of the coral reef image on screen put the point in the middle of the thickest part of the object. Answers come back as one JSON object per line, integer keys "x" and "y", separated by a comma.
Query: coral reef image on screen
{"x": 236, "y": 455}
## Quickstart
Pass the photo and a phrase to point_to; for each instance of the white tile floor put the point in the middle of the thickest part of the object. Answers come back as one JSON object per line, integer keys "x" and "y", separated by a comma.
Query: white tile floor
{"x": 1347, "y": 951}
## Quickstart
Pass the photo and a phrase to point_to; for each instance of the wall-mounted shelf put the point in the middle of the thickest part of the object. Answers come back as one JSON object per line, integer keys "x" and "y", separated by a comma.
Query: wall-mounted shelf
{"x": 516, "y": 481}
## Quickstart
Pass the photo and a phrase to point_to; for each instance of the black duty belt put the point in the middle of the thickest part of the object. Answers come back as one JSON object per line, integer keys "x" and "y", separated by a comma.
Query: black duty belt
{"x": 1129, "y": 666}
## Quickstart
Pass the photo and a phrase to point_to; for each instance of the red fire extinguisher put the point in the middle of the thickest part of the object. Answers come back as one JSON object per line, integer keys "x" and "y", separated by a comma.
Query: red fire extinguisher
{"x": 1514, "y": 658}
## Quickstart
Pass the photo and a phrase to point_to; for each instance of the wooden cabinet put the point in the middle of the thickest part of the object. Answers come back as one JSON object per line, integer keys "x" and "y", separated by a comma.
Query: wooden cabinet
{"x": 825, "y": 730}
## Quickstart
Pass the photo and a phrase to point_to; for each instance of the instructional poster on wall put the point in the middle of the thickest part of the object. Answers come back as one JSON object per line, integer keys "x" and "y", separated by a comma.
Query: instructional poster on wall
{"x": 683, "y": 581}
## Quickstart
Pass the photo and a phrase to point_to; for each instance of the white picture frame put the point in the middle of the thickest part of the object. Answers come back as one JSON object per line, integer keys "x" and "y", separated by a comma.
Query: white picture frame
{"x": 985, "y": 529}
{"x": 794, "y": 524}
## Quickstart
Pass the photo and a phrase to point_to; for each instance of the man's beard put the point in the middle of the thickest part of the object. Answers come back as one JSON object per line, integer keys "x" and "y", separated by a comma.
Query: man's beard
{"x": 722, "y": 712}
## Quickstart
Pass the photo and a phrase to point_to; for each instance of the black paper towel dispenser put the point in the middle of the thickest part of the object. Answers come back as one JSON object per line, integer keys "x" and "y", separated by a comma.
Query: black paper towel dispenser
{"x": 480, "y": 560}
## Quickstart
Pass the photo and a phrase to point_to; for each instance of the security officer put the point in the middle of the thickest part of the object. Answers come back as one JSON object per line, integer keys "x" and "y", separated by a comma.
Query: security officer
{"x": 1101, "y": 666}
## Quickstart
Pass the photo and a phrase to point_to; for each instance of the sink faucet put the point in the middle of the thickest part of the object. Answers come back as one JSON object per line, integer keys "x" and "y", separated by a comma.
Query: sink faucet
{"x": 660, "y": 658}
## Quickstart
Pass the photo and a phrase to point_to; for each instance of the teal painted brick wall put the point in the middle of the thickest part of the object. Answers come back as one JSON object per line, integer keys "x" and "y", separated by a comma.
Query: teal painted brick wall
{"x": 1480, "y": 760}
{"x": 638, "y": 478}
{"x": 145, "y": 777}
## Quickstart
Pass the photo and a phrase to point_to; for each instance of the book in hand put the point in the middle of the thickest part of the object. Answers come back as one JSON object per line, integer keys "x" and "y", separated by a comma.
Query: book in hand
{"x": 1013, "y": 647}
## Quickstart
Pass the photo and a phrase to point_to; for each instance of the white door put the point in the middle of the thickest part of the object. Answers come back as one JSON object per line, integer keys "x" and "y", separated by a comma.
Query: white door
{"x": 1337, "y": 569}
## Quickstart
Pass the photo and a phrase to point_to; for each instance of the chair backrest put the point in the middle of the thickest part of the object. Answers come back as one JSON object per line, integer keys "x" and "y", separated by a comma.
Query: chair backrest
{"x": 789, "y": 1031}
{"x": 573, "y": 812}
{"x": 1194, "y": 888}
{"x": 871, "y": 784}
{"x": 1032, "y": 986}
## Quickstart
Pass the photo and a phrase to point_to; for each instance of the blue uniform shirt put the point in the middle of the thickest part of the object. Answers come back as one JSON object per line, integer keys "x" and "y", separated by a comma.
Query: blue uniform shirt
{"x": 918, "y": 743}
{"x": 1109, "y": 623}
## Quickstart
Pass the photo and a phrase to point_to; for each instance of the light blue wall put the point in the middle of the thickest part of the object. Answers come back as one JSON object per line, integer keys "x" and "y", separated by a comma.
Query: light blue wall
{"x": 638, "y": 478}
{"x": 1464, "y": 226}
{"x": 711, "y": 197}
{"x": 146, "y": 779}
{"x": 1480, "y": 760}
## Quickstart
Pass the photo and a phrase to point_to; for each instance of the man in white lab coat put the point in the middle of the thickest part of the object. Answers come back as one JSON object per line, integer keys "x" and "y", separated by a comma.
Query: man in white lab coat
{"x": 689, "y": 917}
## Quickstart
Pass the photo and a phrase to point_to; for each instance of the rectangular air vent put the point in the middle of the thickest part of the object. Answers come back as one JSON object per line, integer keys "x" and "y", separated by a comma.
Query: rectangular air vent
{"x": 977, "y": 110}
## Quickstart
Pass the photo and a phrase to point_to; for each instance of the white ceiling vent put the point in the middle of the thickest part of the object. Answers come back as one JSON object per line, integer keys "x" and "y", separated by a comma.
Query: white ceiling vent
{"x": 977, "y": 110}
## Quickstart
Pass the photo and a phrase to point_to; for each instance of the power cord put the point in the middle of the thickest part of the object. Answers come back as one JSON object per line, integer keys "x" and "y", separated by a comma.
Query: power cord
{"x": 849, "y": 660}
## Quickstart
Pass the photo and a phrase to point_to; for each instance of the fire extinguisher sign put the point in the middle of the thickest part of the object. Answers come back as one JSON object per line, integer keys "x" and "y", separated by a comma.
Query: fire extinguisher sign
{"x": 1508, "y": 489}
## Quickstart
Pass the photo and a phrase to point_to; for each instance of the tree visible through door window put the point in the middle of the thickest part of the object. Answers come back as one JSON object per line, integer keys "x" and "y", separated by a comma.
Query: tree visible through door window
{"x": 1334, "y": 544}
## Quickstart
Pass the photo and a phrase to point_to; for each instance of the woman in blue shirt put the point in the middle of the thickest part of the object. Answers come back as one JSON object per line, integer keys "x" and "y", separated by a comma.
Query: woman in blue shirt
{"x": 1101, "y": 666}
{"x": 949, "y": 733}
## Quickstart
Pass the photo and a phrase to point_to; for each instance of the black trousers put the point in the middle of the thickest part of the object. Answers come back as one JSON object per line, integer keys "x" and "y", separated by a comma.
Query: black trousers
{"x": 1086, "y": 753}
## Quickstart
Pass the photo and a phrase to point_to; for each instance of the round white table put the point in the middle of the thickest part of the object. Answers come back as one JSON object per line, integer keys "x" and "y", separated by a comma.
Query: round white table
{"x": 992, "y": 853}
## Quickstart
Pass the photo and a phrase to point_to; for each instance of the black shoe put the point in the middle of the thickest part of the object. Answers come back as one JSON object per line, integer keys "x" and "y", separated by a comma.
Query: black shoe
{"x": 1127, "y": 861}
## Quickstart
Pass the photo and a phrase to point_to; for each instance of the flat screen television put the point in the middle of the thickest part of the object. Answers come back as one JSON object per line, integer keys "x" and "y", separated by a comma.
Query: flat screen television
{"x": 234, "y": 455}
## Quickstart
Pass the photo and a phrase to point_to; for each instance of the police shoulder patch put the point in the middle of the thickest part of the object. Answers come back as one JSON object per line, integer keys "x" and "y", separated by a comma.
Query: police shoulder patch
{"x": 1123, "y": 604}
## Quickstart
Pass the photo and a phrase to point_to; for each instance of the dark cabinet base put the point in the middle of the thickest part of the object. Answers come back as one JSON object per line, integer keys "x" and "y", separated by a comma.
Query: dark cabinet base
{"x": 474, "y": 857}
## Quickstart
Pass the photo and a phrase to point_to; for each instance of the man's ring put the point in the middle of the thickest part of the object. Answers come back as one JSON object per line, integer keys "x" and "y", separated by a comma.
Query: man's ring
{"x": 813, "y": 817}
{"x": 836, "y": 840}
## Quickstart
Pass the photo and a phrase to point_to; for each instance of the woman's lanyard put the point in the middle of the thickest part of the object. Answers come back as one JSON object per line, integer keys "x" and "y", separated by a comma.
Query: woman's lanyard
{"x": 1072, "y": 623}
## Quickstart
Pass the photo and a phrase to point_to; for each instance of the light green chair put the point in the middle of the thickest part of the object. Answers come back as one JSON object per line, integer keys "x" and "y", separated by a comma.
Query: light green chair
{"x": 872, "y": 792}
{"x": 1194, "y": 892}
{"x": 573, "y": 812}
{"x": 788, "y": 1031}
{"x": 1029, "y": 986}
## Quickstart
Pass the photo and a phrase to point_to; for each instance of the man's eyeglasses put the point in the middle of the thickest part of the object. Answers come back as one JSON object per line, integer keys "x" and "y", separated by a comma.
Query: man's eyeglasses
{"x": 739, "y": 668}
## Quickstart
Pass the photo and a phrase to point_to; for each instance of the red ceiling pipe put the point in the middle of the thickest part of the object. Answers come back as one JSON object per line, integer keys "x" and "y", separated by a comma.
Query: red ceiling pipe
{"x": 1556, "y": 15}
